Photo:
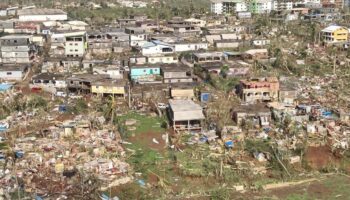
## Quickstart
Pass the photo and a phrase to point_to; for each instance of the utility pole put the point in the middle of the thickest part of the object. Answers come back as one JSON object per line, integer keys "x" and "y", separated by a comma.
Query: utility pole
{"x": 129, "y": 95}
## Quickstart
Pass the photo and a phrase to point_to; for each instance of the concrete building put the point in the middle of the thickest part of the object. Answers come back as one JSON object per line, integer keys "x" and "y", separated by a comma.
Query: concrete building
{"x": 109, "y": 87}
{"x": 220, "y": 7}
{"x": 156, "y": 47}
{"x": 17, "y": 49}
{"x": 185, "y": 115}
{"x": 145, "y": 74}
{"x": 49, "y": 80}
{"x": 259, "y": 89}
{"x": 38, "y": 14}
{"x": 257, "y": 114}
{"x": 10, "y": 72}
{"x": 333, "y": 34}
{"x": 176, "y": 73}
{"x": 190, "y": 46}
{"x": 74, "y": 43}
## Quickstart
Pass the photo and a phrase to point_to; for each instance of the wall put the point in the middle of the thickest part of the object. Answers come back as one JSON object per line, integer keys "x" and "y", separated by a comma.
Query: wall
{"x": 61, "y": 17}
{"x": 182, "y": 93}
{"x": 108, "y": 89}
{"x": 226, "y": 44}
{"x": 190, "y": 47}
{"x": 135, "y": 73}
{"x": 175, "y": 74}
{"x": 162, "y": 59}
{"x": 15, "y": 75}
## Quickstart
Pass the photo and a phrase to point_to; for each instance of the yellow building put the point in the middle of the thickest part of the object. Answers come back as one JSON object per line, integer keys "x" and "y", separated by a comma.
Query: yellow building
{"x": 333, "y": 34}
{"x": 113, "y": 87}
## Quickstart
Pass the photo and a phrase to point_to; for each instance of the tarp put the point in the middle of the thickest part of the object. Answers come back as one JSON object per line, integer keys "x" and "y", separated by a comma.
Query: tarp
{"x": 5, "y": 86}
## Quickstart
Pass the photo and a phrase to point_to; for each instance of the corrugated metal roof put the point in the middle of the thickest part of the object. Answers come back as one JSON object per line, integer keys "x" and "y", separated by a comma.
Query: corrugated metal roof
{"x": 186, "y": 110}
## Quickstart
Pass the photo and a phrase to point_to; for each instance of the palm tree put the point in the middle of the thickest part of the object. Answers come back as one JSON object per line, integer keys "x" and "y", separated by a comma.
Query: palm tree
{"x": 223, "y": 71}
{"x": 110, "y": 109}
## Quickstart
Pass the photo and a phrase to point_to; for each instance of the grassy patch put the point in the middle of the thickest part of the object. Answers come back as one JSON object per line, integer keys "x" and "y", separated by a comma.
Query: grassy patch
{"x": 304, "y": 196}
{"x": 338, "y": 185}
{"x": 144, "y": 123}
{"x": 3, "y": 146}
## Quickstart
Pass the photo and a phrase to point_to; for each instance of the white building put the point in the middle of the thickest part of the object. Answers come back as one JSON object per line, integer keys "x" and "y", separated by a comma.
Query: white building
{"x": 74, "y": 43}
{"x": 286, "y": 5}
{"x": 157, "y": 47}
{"x": 227, "y": 6}
{"x": 182, "y": 47}
{"x": 17, "y": 49}
{"x": 12, "y": 72}
{"x": 256, "y": 6}
{"x": 261, "y": 6}
{"x": 41, "y": 15}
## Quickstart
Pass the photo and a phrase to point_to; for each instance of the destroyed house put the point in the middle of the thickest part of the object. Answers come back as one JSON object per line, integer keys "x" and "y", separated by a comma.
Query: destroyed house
{"x": 60, "y": 64}
{"x": 185, "y": 115}
{"x": 17, "y": 49}
{"x": 288, "y": 92}
{"x": 256, "y": 54}
{"x": 114, "y": 72}
{"x": 101, "y": 42}
{"x": 259, "y": 89}
{"x": 235, "y": 69}
{"x": 90, "y": 64}
{"x": 49, "y": 80}
{"x": 257, "y": 114}
{"x": 82, "y": 82}
{"x": 174, "y": 73}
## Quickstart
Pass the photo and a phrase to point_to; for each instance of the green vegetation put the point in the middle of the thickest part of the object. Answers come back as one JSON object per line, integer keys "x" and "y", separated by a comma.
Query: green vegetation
{"x": 163, "y": 10}
{"x": 144, "y": 123}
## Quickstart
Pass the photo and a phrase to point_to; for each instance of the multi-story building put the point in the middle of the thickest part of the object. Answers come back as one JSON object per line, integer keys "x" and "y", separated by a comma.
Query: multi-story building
{"x": 259, "y": 89}
{"x": 333, "y": 34}
{"x": 282, "y": 5}
{"x": 17, "y": 49}
{"x": 260, "y": 6}
{"x": 69, "y": 44}
{"x": 254, "y": 6}
{"x": 228, "y": 6}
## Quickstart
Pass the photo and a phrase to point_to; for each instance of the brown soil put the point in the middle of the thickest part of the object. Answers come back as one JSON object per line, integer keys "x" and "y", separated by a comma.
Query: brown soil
{"x": 147, "y": 140}
{"x": 152, "y": 178}
{"x": 320, "y": 157}
{"x": 314, "y": 189}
